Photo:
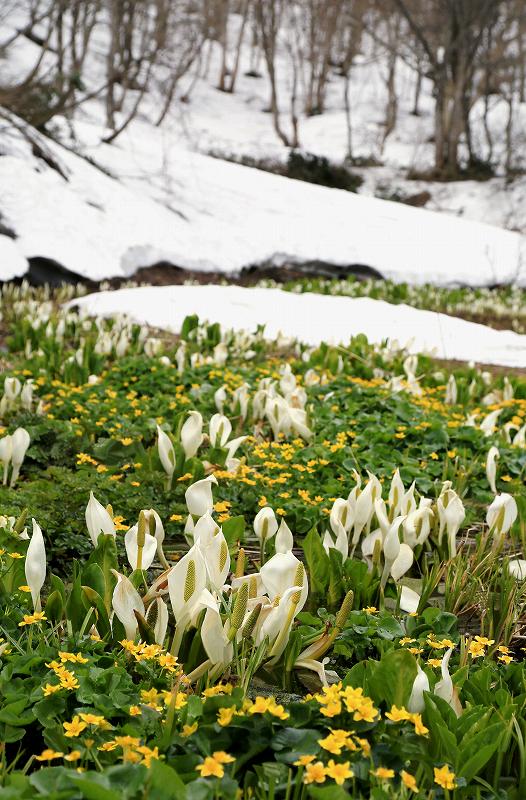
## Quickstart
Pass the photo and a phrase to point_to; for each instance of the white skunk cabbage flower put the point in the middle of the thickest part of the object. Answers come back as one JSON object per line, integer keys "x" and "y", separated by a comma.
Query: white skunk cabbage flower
{"x": 491, "y": 467}
{"x": 409, "y": 600}
{"x": 265, "y": 524}
{"x": 214, "y": 548}
{"x": 157, "y": 618}
{"x": 489, "y": 422}
{"x": 214, "y": 635}
{"x": 415, "y": 704}
{"x": 402, "y": 563}
{"x": 186, "y": 581}
{"x": 156, "y": 528}
{"x": 220, "y": 429}
{"x": 204, "y": 528}
{"x": 192, "y": 434}
{"x": 166, "y": 452}
{"x": 341, "y": 544}
{"x": 396, "y": 492}
{"x": 6, "y": 451}
{"x": 517, "y": 569}
{"x": 126, "y": 599}
{"x": 20, "y": 441}
{"x": 284, "y": 538}
{"x": 501, "y": 514}
{"x": 341, "y": 514}
{"x": 391, "y": 548}
{"x": 98, "y": 519}
{"x": 451, "y": 515}
{"x": 451, "y": 391}
{"x": 281, "y": 572}
{"x": 145, "y": 546}
{"x": 444, "y": 688}
{"x": 35, "y": 566}
{"x": 198, "y": 496}
{"x": 12, "y": 387}
{"x": 220, "y": 398}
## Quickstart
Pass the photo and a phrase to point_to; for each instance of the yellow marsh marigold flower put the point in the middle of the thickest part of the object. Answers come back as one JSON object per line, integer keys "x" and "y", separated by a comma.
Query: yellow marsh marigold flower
{"x": 51, "y": 688}
{"x": 149, "y": 754}
{"x": 92, "y": 719}
{"x": 73, "y": 756}
{"x": 220, "y": 688}
{"x": 213, "y": 765}
{"x": 210, "y": 768}
{"x": 336, "y": 741}
{"x": 315, "y": 773}
{"x": 225, "y": 716}
{"x": 134, "y": 711}
{"x": 332, "y": 709}
{"x": 75, "y": 727}
{"x": 476, "y": 650}
{"x": 409, "y": 781}
{"x": 263, "y": 704}
{"x": 398, "y": 714}
{"x": 339, "y": 772}
{"x": 304, "y": 760}
{"x": 77, "y": 658}
{"x": 30, "y": 619}
{"x": 223, "y": 758}
{"x": 189, "y": 729}
{"x": 420, "y": 728}
{"x": 484, "y": 641}
{"x": 365, "y": 746}
{"x": 48, "y": 755}
{"x": 444, "y": 777}
{"x": 383, "y": 773}
{"x": 24, "y": 589}
{"x": 108, "y": 746}
{"x": 68, "y": 680}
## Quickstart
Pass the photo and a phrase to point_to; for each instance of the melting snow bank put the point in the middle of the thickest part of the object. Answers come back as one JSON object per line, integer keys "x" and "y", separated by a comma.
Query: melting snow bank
{"x": 202, "y": 213}
{"x": 313, "y": 318}
{"x": 12, "y": 262}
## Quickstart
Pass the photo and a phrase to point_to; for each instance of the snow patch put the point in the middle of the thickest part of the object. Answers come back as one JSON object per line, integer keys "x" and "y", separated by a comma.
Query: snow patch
{"x": 12, "y": 262}
{"x": 200, "y": 213}
{"x": 313, "y": 318}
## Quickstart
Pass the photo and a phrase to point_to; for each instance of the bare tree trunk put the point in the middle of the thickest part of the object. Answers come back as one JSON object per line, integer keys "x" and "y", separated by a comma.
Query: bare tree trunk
{"x": 348, "y": 120}
{"x": 235, "y": 68}
{"x": 269, "y": 14}
{"x": 224, "y": 11}
{"x": 416, "y": 97}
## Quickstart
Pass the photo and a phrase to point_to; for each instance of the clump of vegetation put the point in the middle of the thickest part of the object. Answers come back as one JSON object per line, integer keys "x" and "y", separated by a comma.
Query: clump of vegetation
{"x": 239, "y": 567}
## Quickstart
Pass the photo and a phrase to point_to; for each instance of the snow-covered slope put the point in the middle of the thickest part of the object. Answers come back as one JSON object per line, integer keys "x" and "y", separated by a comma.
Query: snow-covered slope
{"x": 313, "y": 319}
{"x": 203, "y": 213}
{"x": 12, "y": 262}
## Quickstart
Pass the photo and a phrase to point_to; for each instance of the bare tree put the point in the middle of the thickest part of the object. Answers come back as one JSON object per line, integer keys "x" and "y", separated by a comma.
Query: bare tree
{"x": 450, "y": 34}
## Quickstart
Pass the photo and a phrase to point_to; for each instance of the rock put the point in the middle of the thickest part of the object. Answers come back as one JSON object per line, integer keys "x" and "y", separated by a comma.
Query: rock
{"x": 418, "y": 200}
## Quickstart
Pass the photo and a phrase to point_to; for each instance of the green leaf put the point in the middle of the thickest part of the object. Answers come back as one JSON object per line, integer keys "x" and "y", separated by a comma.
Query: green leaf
{"x": 234, "y": 530}
{"x": 392, "y": 680}
{"x": 317, "y": 562}
{"x": 474, "y": 765}
{"x": 92, "y": 599}
{"x": 105, "y": 555}
{"x": 164, "y": 783}
{"x": 54, "y": 608}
